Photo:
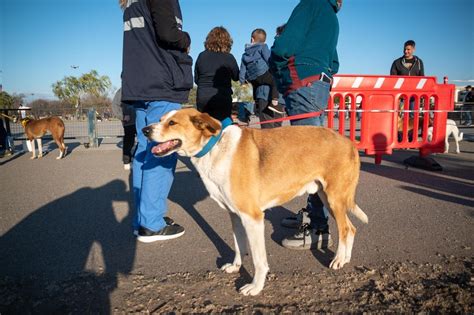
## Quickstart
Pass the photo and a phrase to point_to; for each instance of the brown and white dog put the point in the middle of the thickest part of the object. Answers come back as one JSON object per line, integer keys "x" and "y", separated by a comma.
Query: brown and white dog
{"x": 37, "y": 128}
{"x": 250, "y": 170}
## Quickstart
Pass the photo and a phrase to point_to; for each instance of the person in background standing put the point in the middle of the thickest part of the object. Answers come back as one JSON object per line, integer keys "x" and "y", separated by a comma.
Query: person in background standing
{"x": 214, "y": 72}
{"x": 468, "y": 105}
{"x": 4, "y": 151}
{"x": 408, "y": 65}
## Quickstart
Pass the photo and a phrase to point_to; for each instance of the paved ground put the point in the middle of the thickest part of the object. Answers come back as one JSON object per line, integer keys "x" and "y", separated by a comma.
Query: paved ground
{"x": 67, "y": 246}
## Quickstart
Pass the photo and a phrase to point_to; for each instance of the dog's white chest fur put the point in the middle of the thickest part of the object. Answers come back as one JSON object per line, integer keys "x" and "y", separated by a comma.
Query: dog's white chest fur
{"x": 215, "y": 167}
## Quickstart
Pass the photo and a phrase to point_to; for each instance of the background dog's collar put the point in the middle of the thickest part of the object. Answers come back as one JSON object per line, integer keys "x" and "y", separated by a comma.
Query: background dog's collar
{"x": 225, "y": 123}
{"x": 24, "y": 122}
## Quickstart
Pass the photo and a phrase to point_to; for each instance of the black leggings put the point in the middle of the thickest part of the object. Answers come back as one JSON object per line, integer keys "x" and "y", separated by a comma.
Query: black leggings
{"x": 3, "y": 136}
{"x": 128, "y": 142}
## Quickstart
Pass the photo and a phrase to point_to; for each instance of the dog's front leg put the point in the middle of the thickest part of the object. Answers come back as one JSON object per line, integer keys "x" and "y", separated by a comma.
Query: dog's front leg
{"x": 40, "y": 147}
{"x": 240, "y": 242}
{"x": 256, "y": 236}
{"x": 33, "y": 149}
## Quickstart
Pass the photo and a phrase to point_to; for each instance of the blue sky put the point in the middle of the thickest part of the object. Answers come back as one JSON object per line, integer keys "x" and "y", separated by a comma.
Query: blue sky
{"x": 41, "y": 39}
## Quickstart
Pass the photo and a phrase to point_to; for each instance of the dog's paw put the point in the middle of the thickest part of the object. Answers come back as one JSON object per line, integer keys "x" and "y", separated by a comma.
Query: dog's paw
{"x": 251, "y": 289}
{"x": 445, "y": 152}
{"x": 458, "y": 152}
{"x": 230, "y": 268}
{"x": 58, "y": 158}
{"x": 338, "y": 263}
{"x": 33, "y": 157}
{"x": 40, "y": 156}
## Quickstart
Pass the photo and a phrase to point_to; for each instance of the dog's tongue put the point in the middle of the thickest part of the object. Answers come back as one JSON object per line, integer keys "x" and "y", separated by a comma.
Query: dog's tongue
{"x": 163, "y": 147}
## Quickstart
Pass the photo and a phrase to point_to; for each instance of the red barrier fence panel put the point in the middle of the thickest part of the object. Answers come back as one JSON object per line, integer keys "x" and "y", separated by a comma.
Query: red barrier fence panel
{"x": 395, "y": 112}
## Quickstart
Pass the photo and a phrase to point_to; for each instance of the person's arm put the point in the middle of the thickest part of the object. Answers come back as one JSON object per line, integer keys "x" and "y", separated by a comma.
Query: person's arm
{"x": 422, "y": 68}
{"x": 265, "y": 53}
{"x": 234, "y": 69}
{"x": 296, "y": 28}
{"x": 393, "y": 70}
{"x": 243, "y": 70}
{"x": 166, "y": 27}
{"x": 335, "y": 63}
{"x": 196, "y": 69}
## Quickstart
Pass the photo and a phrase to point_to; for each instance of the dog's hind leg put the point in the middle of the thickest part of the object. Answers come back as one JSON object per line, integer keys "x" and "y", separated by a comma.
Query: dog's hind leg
{"x": 346, "y": 231}
{"x": 254, "y": 228}
{"x": 61, "y": 147}
{"x": 446, "y": 143}
{"x": 240, "y": 241}
{"x": 457, "y": 138}
{"x": 33, "y": 149}
{"x": 40, "y": 147}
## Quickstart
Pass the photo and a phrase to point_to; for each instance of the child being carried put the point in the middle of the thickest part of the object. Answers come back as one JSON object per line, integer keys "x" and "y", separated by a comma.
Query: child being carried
{"x": 254, "y": 67}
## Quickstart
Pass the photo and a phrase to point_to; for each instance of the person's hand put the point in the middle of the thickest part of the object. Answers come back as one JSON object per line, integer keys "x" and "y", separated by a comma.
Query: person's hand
{"x": 188, "y": 49}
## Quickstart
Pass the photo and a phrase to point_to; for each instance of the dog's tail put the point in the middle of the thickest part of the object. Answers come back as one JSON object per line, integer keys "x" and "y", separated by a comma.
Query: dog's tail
{"x": 359, "y": 214}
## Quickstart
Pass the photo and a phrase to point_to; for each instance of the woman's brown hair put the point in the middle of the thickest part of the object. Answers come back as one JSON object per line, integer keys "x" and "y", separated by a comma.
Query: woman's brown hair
{"x": 123, "y": 4}
{"x": 218, "y": 40}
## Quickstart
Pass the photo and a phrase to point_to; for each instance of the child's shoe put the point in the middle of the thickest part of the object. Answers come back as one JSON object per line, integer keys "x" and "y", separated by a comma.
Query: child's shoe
{"x": 275, "y": 107}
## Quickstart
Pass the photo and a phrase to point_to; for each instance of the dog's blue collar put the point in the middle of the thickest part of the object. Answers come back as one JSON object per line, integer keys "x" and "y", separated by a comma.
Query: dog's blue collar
{"x": 210, "y": 144}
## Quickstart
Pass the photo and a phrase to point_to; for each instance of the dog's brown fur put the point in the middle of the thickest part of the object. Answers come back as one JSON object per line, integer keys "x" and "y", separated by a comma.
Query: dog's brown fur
{"x": 251, "y": 170}
{"x": 37, "y": 128}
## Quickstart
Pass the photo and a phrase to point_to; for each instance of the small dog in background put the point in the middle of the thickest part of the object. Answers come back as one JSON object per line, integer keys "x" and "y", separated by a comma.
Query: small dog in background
{"x": 451, "y": 129}
{"x": 37, "y": 128}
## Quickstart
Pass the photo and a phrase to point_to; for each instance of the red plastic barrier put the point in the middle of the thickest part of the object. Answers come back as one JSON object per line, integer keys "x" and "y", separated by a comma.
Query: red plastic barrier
{"x": 384, "y": 126}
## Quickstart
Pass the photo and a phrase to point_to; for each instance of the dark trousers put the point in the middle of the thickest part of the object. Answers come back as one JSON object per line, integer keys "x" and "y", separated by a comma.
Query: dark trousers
{"x": 266, "y": 79}
{"x": 218, "y": 106}
{"x": 265, "y": 114}
{"x": 3, "y": 136}
{"x": 128, "y": 142}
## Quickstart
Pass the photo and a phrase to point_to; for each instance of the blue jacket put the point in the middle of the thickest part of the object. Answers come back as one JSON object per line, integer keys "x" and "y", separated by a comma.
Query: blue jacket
{"x": 156, "y": 66}
{"x": 254, "y": 61}
{"x": 307, "y": 46}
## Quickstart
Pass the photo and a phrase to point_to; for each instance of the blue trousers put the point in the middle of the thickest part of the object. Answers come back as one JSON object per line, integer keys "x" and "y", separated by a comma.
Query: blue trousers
{"x": 309, "y": 99}
{"x": 152, "y": 176}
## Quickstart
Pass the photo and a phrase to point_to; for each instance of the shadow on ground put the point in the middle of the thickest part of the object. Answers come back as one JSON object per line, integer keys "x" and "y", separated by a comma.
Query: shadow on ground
{"x": 56, "y": 243}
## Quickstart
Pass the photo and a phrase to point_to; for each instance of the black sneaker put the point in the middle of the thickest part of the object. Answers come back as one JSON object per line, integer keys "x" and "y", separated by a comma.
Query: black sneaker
{"x": 295, "y": 221}
{"x": 276, "y": 108}
{"x": 308, "y": 238}
{"x": 167, "y": 233}
{"x": 168, "y": 221}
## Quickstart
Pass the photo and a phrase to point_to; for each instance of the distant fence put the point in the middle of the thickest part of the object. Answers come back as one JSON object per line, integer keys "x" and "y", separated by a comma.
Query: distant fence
{"x": 77, "y": 129}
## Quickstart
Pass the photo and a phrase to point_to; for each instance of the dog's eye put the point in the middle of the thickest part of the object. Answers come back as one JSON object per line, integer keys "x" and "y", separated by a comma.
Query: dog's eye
{"x": 171, "y": 123}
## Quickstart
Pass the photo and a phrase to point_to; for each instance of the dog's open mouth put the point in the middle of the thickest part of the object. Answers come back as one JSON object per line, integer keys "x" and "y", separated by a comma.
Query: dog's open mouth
{"x": 164, "y": 148}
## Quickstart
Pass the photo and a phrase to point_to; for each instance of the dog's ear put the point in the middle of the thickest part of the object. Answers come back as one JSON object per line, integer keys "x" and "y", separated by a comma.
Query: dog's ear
{"x": 208, "y": 125}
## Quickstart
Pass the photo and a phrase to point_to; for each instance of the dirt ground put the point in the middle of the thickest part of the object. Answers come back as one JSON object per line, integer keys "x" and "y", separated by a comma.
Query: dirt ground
{"x": 392, "y": 287}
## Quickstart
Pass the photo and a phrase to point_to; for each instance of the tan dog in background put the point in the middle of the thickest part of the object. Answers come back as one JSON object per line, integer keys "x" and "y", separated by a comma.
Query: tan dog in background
{"x": 248, "y": 171}
{"x": 37, "y": 128}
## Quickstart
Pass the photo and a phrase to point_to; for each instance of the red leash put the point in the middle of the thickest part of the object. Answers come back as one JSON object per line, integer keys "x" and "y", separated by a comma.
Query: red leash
{"x": 294, "y": 117}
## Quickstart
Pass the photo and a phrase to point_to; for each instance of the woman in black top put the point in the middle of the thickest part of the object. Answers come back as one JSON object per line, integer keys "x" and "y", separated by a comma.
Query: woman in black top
{"x": 215, "y": 68}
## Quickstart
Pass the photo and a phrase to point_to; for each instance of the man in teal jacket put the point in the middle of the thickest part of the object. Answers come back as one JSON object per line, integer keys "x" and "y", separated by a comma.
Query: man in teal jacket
{"x": 303, "y": 61}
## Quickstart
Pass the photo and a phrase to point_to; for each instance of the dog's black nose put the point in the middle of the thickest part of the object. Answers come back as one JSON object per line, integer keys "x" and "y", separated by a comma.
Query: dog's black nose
{"x": 147, "y": 131}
